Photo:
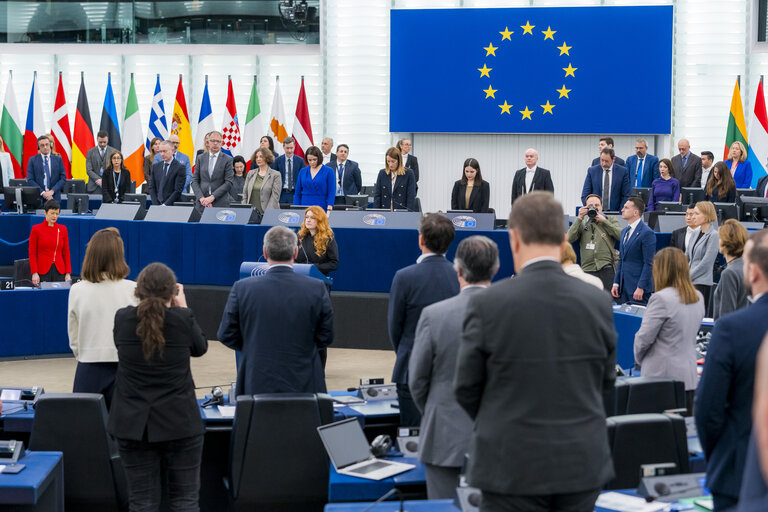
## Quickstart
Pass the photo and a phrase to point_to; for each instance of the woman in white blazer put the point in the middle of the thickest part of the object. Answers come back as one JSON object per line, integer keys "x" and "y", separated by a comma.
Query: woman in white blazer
{"x": 665, "y": 345}
{"x": 93, "y": 303}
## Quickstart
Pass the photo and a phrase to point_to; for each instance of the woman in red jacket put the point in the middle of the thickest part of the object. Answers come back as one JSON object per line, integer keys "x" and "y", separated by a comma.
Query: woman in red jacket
{"x": 49, "y": 248}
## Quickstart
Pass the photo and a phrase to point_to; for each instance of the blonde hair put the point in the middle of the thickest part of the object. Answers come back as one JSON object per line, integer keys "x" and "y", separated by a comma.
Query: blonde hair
{"x": 567, "y": 254}
{"x": 733, "y": 237}
{"x": 739, "y": 145}
{"x": 708, "y": 209}
{"x": 670, "y": 269}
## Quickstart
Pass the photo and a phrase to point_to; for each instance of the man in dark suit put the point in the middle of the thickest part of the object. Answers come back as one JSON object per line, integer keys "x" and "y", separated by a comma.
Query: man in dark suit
{"x": 409, "y": 161}
{"x": 288, "y": 165}
{"x": 96, "y": 160}
{"x": 279, "y": 321}
{"x": 723, "y": 405}
{"x": 607, "y": 172}
{"x": 349, "y": 181}
{"x": 545, "y": 448}
{"x": 607, "y": 142}
{"x": 431, "y": 279}
{"x": 682, "y": 237}
{"x": 637, "y": 246}
{"x": 326, "y": 146}
{"x": 46, "y": 171}
{"x": 642, "y": 166}
{"x": 762, "y": 187}
{"x": 531, "y": 177}
{"x": 753, "y": 496}
{"x": 687, "y": 166}
{"x": 213, "y": 176}
{"x": 168, "y": 177}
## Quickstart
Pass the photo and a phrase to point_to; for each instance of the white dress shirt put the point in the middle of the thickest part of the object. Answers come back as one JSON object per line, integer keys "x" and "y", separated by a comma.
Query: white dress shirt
{"x": 705, "y": 176}
{"x": 529, "y": 172}
{"x": 689, "y": 231}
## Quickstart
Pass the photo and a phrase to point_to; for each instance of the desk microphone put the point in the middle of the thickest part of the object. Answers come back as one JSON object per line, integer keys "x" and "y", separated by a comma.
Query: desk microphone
{"x": 217, "y": 397}
{"x": 386, "y": 495}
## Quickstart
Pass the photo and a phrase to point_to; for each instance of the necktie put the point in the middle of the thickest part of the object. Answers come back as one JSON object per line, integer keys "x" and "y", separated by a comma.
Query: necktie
{"x": 47, "y": 171}
{"x": 607, "y": 189}
{"x": 626, "y": 236}
{"x": 341, "y": 179}
{"x": 640, "y": 172}
{"x": 289, "y": 172}
{"x": 162, "y": 182}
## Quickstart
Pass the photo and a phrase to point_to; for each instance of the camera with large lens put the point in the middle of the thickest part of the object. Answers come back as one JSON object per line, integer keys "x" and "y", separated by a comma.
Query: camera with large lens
{"x": 592, "y": 212}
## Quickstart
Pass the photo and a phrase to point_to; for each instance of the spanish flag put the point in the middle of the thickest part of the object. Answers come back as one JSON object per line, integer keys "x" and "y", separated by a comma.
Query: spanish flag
{"x": 737, "y": 127}
{"x": 180, "y": 125}
{"x": 82, "y": 139}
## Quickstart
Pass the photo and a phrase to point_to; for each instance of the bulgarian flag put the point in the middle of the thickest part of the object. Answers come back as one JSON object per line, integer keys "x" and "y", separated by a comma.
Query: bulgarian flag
{"x": 82, "y": 138}
{"x": 133, "y": 140}
{"x": 737, "y": 127}
{"x": 10, "y": 128}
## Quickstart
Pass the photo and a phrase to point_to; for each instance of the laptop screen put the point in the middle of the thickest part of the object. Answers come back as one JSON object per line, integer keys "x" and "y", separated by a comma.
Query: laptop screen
{"x": 345, "y": 442}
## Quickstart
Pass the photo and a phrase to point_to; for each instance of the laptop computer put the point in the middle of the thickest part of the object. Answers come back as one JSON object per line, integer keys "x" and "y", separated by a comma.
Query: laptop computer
{"x": 350, "y": 454}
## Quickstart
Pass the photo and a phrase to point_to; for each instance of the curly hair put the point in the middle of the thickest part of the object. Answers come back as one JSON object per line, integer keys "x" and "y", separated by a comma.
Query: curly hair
{"x": 324, "y": 232}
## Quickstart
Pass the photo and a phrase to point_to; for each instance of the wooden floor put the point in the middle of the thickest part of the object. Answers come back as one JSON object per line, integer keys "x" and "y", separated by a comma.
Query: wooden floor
{"x": 344, "y": 369}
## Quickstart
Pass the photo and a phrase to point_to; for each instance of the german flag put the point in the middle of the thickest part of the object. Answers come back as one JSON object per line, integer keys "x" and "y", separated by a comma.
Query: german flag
{"x": 82, "y": 139}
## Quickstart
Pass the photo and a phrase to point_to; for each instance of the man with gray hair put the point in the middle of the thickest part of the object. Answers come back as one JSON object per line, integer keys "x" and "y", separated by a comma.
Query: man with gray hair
{"x": 326, "y": 148}
{"x": 279, "y": 321}
{"x": 168, "y": 177}
{"x": 445, "y": 427}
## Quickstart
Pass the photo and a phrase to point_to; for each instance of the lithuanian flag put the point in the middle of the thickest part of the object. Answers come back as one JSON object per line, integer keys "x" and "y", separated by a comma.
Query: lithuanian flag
{"x": 737, "y": 127}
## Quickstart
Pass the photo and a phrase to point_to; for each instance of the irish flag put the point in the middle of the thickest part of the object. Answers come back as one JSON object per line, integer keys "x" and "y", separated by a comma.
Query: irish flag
{"x": 737, "y": 127}
{"x": 133, "y": 139}
{"x": 10, "y": 128}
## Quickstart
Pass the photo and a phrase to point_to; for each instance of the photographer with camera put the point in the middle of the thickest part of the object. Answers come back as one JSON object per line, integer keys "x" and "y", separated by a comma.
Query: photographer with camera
{"x": 597, "y": 235}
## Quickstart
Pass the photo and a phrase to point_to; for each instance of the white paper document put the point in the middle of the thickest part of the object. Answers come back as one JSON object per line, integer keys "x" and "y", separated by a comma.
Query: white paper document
{"x": 227, "y": 411}
{"x": 626, "y": 503}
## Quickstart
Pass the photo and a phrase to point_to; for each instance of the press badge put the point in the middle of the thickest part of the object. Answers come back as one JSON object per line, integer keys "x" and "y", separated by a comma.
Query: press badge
{"x": 590, "y": 246}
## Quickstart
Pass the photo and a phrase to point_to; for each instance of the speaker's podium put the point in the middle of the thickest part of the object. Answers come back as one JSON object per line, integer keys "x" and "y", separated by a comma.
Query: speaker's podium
{"x": 123, "y": 211}
{"x": 259, "y": 268}
{"x": 236, "y": 215}
{"x": 161, "y": 213}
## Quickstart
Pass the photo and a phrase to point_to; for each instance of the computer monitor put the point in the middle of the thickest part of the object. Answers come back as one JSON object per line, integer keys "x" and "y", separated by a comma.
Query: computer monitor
{"x": 643, "y": 193}
{"x": 669, "y": 206}
{"x": 187, "y": 198}
{"x": 367, "y": 190}
{"x": 359, "y": 201}
{"x": 749, "y": 192}
{"x": 692, "y": 195}
{"x": 131, "y": 187}
{"x": 78, "y": 203}
{"x": 459, "y": 211}
{"x": 17, "y": 183}
{"x": 136, "y": 198}
{"x": 726, "y": 211}
{"x": 74, "y": 187}
{"x": 21, "y": 199}
{"x": 754, "y": 209}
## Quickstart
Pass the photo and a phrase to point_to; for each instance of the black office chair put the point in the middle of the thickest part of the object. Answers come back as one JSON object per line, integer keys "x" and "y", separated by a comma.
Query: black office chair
{"x": 76, "y": 424}
{"x": 639, "y": 395}
{"x": 637, "y": 439}
{"x": 418, "y": 205}
{"x": 22, "y": 273}
{"x": 277, "y": 460}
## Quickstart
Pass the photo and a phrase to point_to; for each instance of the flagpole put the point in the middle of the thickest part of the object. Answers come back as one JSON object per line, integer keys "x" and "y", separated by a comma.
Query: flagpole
{"x": 206, "y": 79}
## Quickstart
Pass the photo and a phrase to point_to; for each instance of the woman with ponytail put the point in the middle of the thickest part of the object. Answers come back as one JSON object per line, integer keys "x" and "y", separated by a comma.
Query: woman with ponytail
{"x": 154, "y": 414}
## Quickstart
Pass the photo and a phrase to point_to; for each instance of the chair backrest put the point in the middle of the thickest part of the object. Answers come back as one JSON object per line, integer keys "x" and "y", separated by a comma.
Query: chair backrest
{"x": 22, "y": 273}
{"x": 76, "y": 424}
{"x": 637, "y": 439}
{"x": 639, "y": 395}
{"x": 277, "y": 458}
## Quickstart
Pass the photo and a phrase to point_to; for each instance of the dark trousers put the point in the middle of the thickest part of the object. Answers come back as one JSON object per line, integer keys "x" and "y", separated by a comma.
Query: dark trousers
{"x": 52, "y": 276}
{"x": 95, "y": 378}
{"x": 572, "y": 502}
{"x": 723, "y": 502}
{"x": 705, "y": 290}
{"x": 286, "y": 196}
{"x": 410, "y": 416}
{"x": 176, "y": 462}
{"x": 606, "y": 275}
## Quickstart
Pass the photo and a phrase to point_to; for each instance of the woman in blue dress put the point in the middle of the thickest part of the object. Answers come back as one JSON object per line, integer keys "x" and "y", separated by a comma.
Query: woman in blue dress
{"x": 665, "y": 188}
{"x": 316, "y": 183}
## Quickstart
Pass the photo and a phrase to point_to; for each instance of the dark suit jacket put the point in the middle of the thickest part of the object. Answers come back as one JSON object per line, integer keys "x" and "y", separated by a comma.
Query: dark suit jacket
{"x": 169, "y": 186}
{"x": 414, "y": 288}
{"x": 36, "y": 175}
{"x": 218, "y": 182}
{"x": 754, "y": 491}
{"x": 412, "y": 163}
{"x": 542, "y": 180}
{"x": 94, "y": 164}
{"x": 403, "y": 193}
{"x": 278, "y": 320}
{"x": 723, "y": 404}
{"x": 761, "y": 185}
{"x": 279, "y": 166}
{"x": 678, "y": 238}
{"x": 635, "y": 262}
{"x": 620, "y": 187}
{"x": 617, "y": 161}
{"x": 159, "y": 395}
{"x": 478, "y": 198}
{"x": 326, "y": 263}
{"x": 691, "y": 175}
{"x": 353, "y": 181}
{"x": 537, "y": 441}
{"x": 650, "y": 170}
{"x": 108, "y": 185}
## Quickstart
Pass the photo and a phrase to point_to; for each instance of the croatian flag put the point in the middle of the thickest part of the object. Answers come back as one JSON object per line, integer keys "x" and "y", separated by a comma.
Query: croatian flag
{"x": 231, "y": 127}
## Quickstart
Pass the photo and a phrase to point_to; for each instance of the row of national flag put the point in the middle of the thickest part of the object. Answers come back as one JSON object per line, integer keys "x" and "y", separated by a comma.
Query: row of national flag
{"x": 20, "y": 140}
{"x": 756, "y": 139}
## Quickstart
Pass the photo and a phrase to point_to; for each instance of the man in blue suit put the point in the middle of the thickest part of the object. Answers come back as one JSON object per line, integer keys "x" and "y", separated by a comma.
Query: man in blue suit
{"x": 348, "y": 178}
{"x": 179, "y": 157}
{"x": 288, "y": 165}
{"x": 46, "y": 171}
{"x": 431, "y": 279}
{"x": 723, "y": 405}
{"x": 607, "y": 172}
{"x": 642, "y": 166}
{"x": 634, "y": 280}
{"x": 279, "y": 321}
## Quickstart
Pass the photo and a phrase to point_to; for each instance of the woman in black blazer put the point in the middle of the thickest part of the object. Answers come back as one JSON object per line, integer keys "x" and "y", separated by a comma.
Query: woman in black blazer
{"x": 116, "y": 180}
{"x": 720, "y": 186}
{"x": 472, "y": 186}
{"x": 154, "y": 415}
{"x": 395, "y": 185}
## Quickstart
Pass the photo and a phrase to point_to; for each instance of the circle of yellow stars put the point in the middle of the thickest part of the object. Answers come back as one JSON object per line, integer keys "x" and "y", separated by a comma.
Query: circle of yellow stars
{"x": 490, "y": 51}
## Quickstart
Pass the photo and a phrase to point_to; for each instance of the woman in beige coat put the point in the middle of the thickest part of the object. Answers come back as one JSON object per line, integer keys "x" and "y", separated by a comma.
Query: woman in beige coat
{"x": 263, "y": 184}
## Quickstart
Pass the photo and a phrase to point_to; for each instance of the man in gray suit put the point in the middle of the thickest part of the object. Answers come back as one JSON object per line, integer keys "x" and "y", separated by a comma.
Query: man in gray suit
{"x": 536, "y": 353}
{"x": 445, "y": 426}
{"x": 213, "y": 175}
{"x": 96, "y": 160}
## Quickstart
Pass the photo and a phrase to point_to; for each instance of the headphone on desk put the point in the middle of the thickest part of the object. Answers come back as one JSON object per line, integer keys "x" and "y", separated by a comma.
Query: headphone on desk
{"x": 217, "y": 397}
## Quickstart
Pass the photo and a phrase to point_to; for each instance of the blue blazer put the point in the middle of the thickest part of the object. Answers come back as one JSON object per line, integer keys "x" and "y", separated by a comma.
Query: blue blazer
{"x": 279, "y": 166}
{"x": 651, "y": 162}
{"x": 635, "y": 262}
{"x": 753, "y": 496}
{"x": 743, "y": 174}
{"x": 278, "y": 321}
{"x": 620, "y": 187}
{"x": 723, "y": 405}
{"x": 414, "y": 288}
{"x": 353, "y": 181}
{"x": 36, "y": 175}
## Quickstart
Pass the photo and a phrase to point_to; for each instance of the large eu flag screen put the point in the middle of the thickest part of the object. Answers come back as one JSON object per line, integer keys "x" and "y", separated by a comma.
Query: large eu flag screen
{"x": 602, "y": 70}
